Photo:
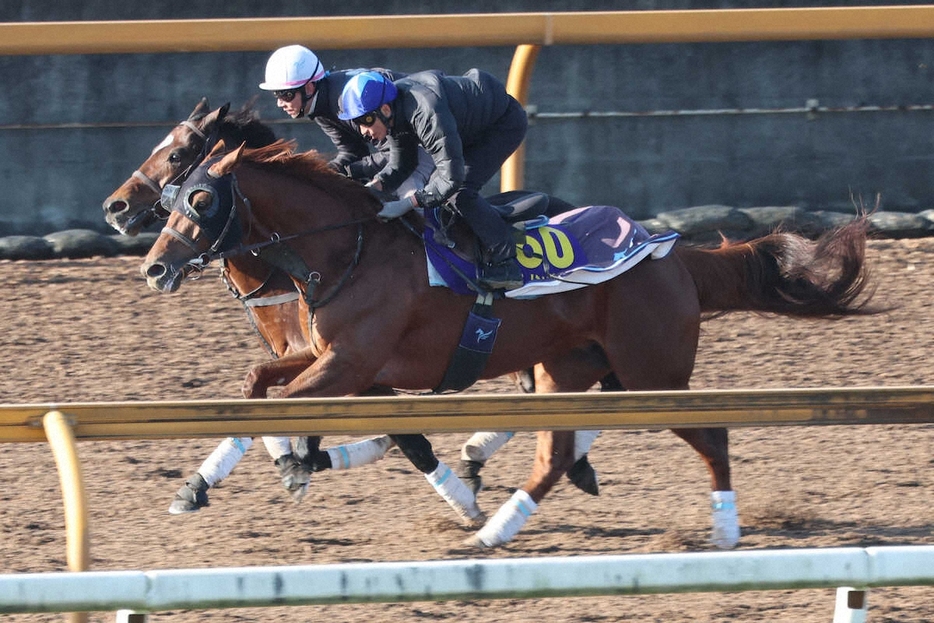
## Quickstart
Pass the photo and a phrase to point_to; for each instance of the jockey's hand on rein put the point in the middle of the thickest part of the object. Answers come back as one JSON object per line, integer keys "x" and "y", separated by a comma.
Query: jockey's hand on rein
{"x": 395, "y": 209}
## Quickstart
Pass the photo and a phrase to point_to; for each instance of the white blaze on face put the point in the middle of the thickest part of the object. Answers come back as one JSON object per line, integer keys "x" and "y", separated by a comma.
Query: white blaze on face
{"x": 165, "y": 143}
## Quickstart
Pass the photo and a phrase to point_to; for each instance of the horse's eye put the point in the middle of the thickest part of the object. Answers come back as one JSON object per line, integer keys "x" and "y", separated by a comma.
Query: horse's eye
{"x": 175, "y": 158}
{"x": 201, "y": 201}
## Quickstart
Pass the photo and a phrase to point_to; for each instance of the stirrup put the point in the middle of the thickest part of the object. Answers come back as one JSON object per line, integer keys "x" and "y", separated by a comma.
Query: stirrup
{"x": 505, "y": 275}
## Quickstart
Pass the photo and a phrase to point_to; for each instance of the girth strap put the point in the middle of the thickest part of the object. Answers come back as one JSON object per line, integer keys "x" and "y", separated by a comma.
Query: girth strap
{"x": 476, "y": 345}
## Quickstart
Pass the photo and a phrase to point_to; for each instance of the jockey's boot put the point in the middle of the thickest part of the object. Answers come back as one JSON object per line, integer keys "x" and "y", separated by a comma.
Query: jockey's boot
{"x": 469, "y": 472}
{"x": 499, "y": 269}
{"x": 583, "y": 476}
{"x": 295, "y": 477}
{"x": 191, "y": 497}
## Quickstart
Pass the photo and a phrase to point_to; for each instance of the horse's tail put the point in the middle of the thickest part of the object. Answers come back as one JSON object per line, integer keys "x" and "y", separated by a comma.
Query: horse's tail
{"x": 785, "y": 273}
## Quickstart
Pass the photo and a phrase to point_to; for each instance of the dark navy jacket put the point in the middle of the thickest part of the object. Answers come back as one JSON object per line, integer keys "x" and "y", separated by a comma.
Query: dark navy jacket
{"x": 351, "y": 145}
{"x": 444, "y": 114}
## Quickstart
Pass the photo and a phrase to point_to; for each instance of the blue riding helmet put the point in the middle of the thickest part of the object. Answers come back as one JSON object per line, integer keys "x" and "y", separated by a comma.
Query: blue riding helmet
{"x": 364, "y": 93}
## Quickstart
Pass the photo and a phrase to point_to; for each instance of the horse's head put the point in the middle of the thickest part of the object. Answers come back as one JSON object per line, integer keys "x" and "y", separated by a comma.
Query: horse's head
{"x": 202, "y": 223}
{"x": 135, "y": 204}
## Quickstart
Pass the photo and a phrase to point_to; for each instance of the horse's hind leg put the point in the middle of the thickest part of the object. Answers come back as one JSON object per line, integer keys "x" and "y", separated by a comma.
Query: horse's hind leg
{"x": 477, "y": 450}
{"x": 554, "y": 453}
{"x": 418, "y": 450}
{"x": 713, "y": 446}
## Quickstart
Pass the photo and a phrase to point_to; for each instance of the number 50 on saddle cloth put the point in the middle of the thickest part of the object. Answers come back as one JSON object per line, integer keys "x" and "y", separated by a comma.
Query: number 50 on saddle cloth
{"x": 574, "y": 249}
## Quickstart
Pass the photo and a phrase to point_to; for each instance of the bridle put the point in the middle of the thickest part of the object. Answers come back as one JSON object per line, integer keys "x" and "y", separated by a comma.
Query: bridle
{"x": 220, "y": 227}
{"x": 157, "y": 211}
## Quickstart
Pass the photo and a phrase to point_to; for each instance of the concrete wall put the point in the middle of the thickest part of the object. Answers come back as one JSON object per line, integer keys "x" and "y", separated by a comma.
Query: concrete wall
{"x": 72, "y": 128}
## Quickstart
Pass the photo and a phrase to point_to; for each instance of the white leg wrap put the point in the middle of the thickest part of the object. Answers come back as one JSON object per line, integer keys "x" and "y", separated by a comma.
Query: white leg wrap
{"x": 481, "y": 446}
{"x": 277, "y": 446}
{"x": 224, "y": 458}
{"x": 583, "y": 439}
{"x": 455, "y": 493}
{"x": 359, "y": 453}
{"x": 725, "y": 533}
{"x": 508, "y": 520}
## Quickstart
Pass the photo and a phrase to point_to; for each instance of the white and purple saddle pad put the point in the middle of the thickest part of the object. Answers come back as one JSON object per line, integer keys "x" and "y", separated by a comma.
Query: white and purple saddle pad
{"x": 575, "y": 249}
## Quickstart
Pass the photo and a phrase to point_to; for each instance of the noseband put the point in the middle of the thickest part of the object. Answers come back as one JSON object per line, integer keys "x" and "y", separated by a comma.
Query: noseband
{"x": 220, "y": 224}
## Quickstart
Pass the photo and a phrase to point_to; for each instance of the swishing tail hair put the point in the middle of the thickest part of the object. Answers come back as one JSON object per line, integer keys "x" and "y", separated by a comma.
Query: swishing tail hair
{"x": 785, "y": 273}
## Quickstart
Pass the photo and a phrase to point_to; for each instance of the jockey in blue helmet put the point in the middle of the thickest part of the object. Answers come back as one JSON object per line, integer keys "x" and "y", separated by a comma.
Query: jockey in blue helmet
{"x": 469, "y": 125}
{"x": 304, "y": 88}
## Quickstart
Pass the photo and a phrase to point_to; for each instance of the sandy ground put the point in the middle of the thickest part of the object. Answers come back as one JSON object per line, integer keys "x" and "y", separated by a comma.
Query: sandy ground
{"x": 90, "y": 330}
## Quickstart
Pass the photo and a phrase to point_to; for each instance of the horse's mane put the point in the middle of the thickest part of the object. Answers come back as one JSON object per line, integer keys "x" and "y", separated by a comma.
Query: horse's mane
{"x": 309, "y": 166}
{"x": 244, "y": 126}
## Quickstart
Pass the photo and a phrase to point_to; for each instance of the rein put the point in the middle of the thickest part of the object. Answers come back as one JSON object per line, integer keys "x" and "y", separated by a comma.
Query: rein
{"x": 273, "y": 251}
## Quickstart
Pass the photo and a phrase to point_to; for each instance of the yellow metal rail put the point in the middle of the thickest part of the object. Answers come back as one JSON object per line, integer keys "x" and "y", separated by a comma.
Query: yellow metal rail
{"x": 469, "y": 413}
{"x": 471, "y": 29}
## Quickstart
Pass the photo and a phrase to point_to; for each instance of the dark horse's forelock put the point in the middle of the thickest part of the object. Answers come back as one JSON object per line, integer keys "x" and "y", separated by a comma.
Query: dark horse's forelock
{"x": 246, "y": 123}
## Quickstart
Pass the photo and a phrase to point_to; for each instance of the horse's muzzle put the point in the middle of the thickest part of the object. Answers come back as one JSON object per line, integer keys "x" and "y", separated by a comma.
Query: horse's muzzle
{"x": 161, "y": 278}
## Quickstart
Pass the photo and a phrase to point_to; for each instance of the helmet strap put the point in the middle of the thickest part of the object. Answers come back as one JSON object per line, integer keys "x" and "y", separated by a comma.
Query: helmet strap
{"x": 386, "y": 119}
{"x": 306, "y": 100}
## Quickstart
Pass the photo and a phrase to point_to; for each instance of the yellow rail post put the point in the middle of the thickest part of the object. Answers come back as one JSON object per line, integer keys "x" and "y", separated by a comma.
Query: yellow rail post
{"x": 512, "y": 173}
{"x": 65, "y": 450}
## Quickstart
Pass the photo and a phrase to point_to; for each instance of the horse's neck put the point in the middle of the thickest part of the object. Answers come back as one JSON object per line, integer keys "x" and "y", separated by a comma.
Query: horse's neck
{"x": 323, "y": 230}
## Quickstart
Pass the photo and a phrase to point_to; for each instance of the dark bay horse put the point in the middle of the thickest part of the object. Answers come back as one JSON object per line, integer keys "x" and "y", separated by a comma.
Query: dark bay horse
{"x": 373, "y": 319}
{"x": 270, "y": 300}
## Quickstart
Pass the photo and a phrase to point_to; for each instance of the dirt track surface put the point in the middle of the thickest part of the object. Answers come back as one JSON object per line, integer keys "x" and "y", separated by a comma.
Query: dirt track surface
{"x": 90, "y": 330}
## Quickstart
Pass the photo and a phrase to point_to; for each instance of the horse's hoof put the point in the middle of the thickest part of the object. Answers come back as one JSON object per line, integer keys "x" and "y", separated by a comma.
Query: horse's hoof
{"x": 476, "y": 522}
{"x": 298, "y": 493}
{"x": 190, "y": 497}
{"x": 583, "y": 476}
{"x": 295, "y": 477}
{"x": 181, "y": 507}
{"x": 475, "y": 542}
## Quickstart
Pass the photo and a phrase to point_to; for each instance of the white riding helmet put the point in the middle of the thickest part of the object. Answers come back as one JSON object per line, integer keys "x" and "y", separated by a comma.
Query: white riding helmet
{"x": 291, "y": 67}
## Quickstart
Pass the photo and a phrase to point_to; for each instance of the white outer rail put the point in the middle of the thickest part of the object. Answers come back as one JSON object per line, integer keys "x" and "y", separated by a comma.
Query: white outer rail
{"x": 238, "y": 587}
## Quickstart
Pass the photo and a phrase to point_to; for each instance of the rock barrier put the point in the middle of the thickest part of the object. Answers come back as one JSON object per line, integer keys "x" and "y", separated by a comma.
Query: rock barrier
{"x": 702, "y": 225}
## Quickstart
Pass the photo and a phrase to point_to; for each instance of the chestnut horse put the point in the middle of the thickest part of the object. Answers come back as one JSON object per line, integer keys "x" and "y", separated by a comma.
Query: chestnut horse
{"x": 270, "y": 300}
{"x": 373, "y": 318}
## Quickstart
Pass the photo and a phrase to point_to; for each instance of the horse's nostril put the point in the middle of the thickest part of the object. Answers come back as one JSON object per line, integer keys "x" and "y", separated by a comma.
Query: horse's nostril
{"x": 116, "y": 206}
{"x": 155, "y": 271}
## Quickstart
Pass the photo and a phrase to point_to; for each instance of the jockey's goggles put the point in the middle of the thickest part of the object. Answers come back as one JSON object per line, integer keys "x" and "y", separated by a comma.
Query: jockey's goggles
{"x": 366, "y": 120}
{"x": 287, "y": 95}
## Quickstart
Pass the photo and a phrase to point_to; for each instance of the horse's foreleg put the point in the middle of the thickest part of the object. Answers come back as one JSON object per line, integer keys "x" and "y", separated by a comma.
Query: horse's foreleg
{"x": 474, "y": 454}
{"x": 713, "y": 446}
{"x": 193, "y": 495}
{"x": 276, "y": 372}
{"x": 554, "y": 455}
{"x": 452, "y": 489}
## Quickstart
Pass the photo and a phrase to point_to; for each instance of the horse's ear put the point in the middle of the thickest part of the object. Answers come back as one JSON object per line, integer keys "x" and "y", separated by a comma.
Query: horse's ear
{"x": 200, "y": 110}
{"x": 228, "y": 163}
{"x": 214, "y": 117}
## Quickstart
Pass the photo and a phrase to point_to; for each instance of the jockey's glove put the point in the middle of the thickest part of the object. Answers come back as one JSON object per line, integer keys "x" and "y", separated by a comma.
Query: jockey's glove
{"x": 395, "y": 209}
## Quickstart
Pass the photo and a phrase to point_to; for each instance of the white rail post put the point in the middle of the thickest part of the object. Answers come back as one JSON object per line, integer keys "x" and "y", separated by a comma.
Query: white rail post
{"x": 851, "y": 605}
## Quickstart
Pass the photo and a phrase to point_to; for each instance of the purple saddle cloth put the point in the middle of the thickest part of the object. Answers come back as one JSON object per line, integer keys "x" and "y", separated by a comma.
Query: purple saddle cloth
{"x": 575, "y": 249}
